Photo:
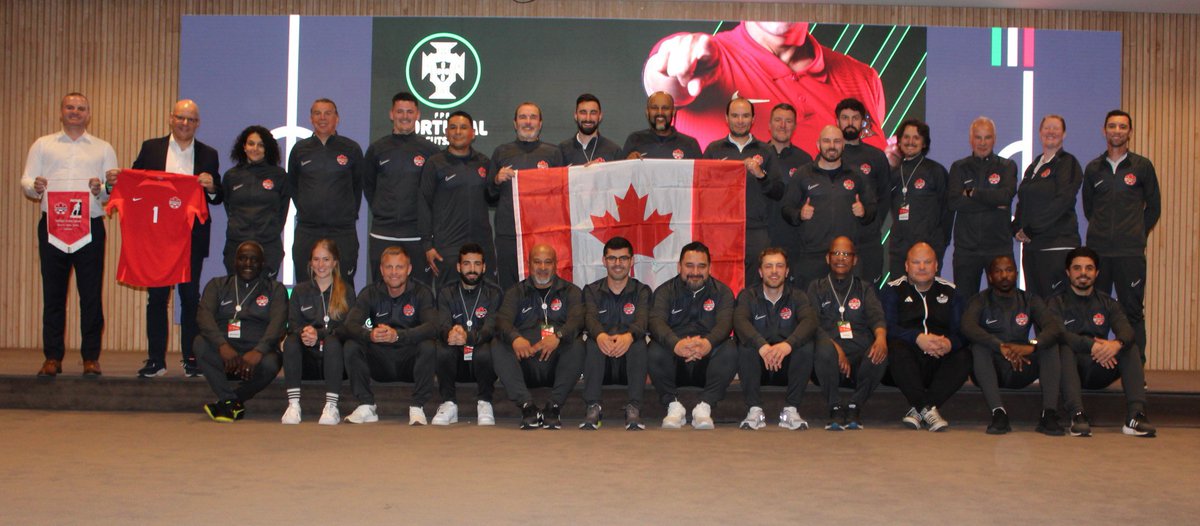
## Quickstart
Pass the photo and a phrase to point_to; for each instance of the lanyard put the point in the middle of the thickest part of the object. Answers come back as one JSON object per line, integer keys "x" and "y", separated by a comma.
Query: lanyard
{"x": 841, "y": 302}
{"x": 594, "y": 142}
{"x": 545, "y": 313}
{"x": 324, "y": 306}
{"x": 469, "y": 313}
{"x": 904, "y": 181}
{"x": 237, "y": 309}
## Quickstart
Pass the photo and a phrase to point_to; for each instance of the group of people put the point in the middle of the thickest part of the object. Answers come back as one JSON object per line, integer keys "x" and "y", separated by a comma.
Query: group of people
{"x": 837, "y": 225}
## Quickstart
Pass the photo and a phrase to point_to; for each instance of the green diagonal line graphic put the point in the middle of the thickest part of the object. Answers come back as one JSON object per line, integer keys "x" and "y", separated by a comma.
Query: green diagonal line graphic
{"x": 853, "y": 40}
{"x": 910, "y": 103}
{"x": 839, "y": 40}
{"x": 895, "y": 50}
{"x": 906, "y": 85}
{"x": 882, "y": 46}
{"x": 718, "y": 28}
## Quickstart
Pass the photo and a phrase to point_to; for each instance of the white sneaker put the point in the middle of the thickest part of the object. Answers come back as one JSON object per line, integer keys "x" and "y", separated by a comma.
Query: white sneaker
{"x": 330, "y": 416}
{"x": 675, "y": 416}
{"x": 912, "y": 419}
{"x": 933, "y": 419}
{"x": 702, "y": 416}
{"x": 416, "y": 416}
{"x": 292, "y": 414}
{"x": 483, "y": 414}
{"x": 755, "y": 419}
{"x": 447, "y": 414}
{"x": 789, "y": 418}
{"x": 363, "y": 414}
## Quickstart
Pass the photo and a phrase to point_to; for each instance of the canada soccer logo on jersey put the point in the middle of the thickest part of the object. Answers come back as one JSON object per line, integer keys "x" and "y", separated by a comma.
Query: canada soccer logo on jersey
{"x": 1045, "y": 173}
{"x": 678, "y": 154}
{"x": 785, "y": 313}
{"x": 709, "y": 304}
{"x": 480, "y": 312}
{"x": 268, "y": 184}
{"x": 994, "y": 179}
{"x": 409, "y": 310}
{"x": 342, "y": 160}
{"x": 174, "y": 203}
{"x": 792, "y": 172}
{"x": 556, "y": 305}
{"x": 865, "y": 169}
{"x": 919, "y": 184}
{"x": 482, "y": 172}
{"x": 262, "y": 300}
{"x": 419, "y": 160}
{"x": 854, "y": 304}
{"x": 1022, "y": 319}
{"x": 1098, "y": 319}
{"x": 848, "y": 184}
{"x": 543, "y": 164}
{"x": 628, "y": 309}
{"x": 1130, "y": 179}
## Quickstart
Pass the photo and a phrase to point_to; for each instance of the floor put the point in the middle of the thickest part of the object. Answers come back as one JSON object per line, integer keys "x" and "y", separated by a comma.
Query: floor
{"x": 130, "y": 468}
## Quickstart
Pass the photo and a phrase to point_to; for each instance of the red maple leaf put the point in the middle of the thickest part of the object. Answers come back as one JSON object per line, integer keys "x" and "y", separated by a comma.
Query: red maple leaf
{"x": 644, "y": 232}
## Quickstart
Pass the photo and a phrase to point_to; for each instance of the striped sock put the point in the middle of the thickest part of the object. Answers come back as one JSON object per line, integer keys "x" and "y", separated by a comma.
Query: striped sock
{"x": 331, "y": 398}
{"x": 293, "y": 395}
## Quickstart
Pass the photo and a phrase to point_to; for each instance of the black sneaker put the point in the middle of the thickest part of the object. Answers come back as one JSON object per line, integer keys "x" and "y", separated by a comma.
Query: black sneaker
{"x": 219, "y": 412}
{"x": 999, "y": 425}
{"x": 853, "y": 422}
{"x": 594, "y": 418}
{"x": 1080, "y": 425}
{"x": 633, "y": 419}
{"x": 190, "y": 368}
{"x": 837, "y": 419}
{"x": 530, "y": 418}
{"x": 236, "y": 409}
{"x": 151, "y": 369}
{"x": 1049, "y": 425}
{"x": 550, "y": 417}
{"x": 1139, "y": 426}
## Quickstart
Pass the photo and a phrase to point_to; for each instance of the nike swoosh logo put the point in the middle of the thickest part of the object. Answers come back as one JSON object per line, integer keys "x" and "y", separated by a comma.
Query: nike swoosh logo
{"x": 752, "y": 101}
{"x": 456, "y": 316}
{"x": 968, "y": 181}
{"x": 811, "y": 186}
{"x": 309, "y": 307}
{"x": 760, "y": 316}
{"x": 989, "y": 322}
{"x": 136, "y": 199}
{"x": 382, "y": 314}
{"x": 826, "y": 304}
{"x": 676, "y": 311}
{"x": 303, "y": 163}
{"x": 236, "y": 186}
{"x": 385, "y": 161}
{"x": 526, "y": 309}
{"x": 226, "y": 302}
{"x": 1056, "y": 284}
{"x": 451, "y": 176}
{"x": 1070, "y": 321}
{"x": 602, "y": 312}
{"x": 1098, "y": 183}
{"x": 1134, "y": 284}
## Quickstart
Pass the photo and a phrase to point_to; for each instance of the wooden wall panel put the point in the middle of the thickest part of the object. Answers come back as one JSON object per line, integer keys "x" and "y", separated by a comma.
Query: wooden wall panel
{"x": 124, "y": 56}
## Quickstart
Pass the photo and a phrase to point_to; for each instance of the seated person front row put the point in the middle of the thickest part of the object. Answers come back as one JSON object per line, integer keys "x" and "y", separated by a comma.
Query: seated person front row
{"x": 840, "y": 329}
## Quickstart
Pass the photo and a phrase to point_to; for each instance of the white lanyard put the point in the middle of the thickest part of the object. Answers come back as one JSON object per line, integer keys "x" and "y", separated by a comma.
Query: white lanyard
{"x": 903, "y": 181}
{"x": 324, "y": 307}
{"x": 237, "y": 309}
{"x": 469, "y": 313}
{"x": 841, "y": 303}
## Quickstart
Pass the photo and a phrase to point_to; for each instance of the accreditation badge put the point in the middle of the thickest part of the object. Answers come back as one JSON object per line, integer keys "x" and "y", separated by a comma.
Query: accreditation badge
{"x": 547, "y": 330}
{"x": 845, "y": 332}
{"x": 234, "y": 329}
{"x": 69, "y": 219}
{"x": 468, "y": 352}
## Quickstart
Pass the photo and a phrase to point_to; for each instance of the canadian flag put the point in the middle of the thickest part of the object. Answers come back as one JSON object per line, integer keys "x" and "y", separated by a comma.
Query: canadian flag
{"x": 659, "y": 205}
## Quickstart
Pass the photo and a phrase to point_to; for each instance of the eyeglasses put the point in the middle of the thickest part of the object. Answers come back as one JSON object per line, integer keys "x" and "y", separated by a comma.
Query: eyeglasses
{"x": 614, "y": 259}
{"x": 840, "y": 254}
{"x": 186, "y": 120}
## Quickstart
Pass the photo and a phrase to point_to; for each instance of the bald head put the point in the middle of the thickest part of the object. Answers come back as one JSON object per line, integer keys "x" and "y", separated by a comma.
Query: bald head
{"x": 660, "y": 112}
{"x": 983, "y": 136}
{"x": 184, "y": 120}
{"x": 921, "y": 265}
{"x": 543, "y": 263}
{"x": 831, "y": 143}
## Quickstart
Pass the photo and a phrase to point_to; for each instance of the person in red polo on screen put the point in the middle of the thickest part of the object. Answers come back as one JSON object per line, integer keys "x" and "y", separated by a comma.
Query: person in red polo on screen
{"x": 768, "y": 63}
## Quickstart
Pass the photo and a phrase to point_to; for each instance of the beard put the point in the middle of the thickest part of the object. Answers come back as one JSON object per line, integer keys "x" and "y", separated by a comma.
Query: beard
{"x": 850, "y": 133}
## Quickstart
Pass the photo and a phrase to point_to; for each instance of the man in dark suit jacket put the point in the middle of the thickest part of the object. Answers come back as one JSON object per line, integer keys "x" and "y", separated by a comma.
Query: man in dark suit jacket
{"x": 180, "y": 152}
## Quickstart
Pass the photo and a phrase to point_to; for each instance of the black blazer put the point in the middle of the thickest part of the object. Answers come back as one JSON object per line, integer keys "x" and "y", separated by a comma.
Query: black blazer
{"x": 153, "y": 156}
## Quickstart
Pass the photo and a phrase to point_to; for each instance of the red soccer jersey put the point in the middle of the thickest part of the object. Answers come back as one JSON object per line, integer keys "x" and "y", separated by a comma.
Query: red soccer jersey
{"x": 744, "y": 67}
{"x": 157, "y": 211}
